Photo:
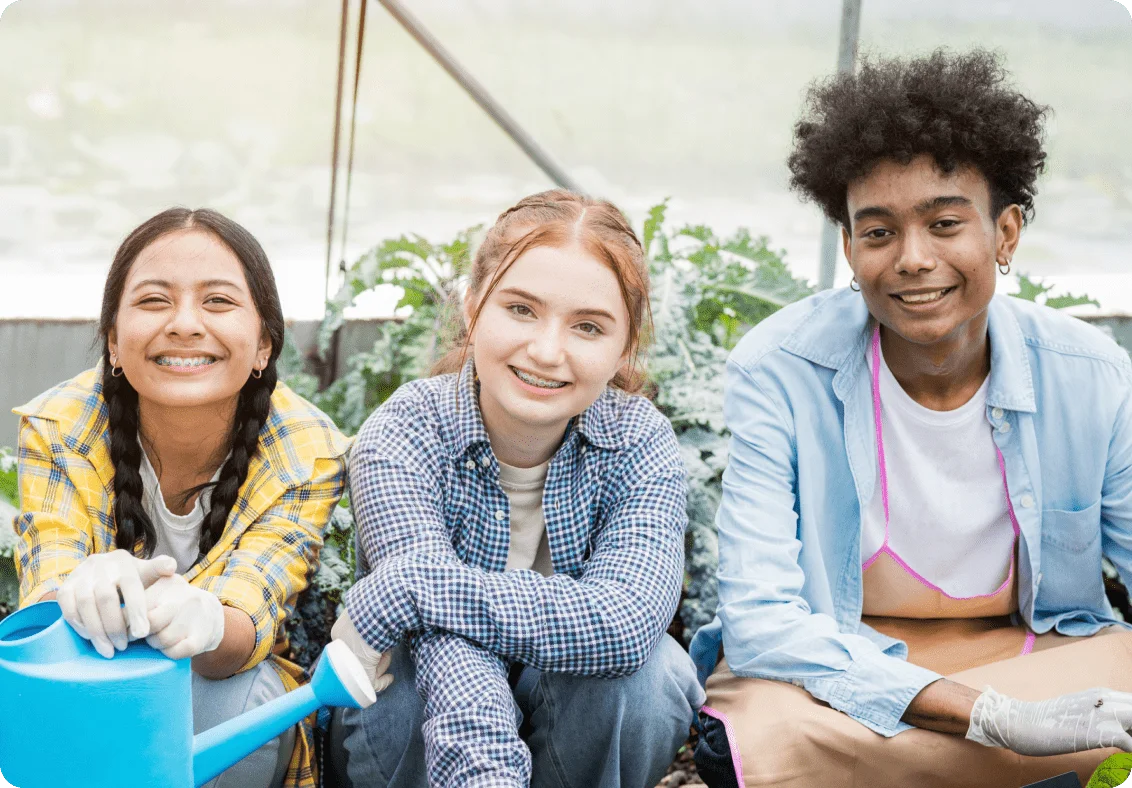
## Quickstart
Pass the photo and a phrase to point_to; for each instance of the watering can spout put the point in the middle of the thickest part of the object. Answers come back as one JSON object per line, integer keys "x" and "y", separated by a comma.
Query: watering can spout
{"x": 338, "y": 680}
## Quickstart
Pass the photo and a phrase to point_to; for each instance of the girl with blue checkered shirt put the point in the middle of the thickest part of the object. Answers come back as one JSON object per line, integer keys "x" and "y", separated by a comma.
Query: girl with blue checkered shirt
{"x": 521, "y": 529}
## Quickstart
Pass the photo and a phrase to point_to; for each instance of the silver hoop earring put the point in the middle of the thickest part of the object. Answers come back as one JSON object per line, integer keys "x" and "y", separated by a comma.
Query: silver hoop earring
{"x": 1004, "y": 268}
{"x": 257, "y": 373}
{"x": 856, "y": 288}
{"x": 116, "y": 372}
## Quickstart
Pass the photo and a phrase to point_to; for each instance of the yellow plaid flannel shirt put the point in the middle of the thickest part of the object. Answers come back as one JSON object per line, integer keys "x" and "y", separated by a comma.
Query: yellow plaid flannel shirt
{"x": 270, "y": 546}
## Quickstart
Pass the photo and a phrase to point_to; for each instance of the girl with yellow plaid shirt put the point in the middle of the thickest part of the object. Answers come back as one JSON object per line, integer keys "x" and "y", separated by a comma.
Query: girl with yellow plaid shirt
{"x": 177, "y": 492}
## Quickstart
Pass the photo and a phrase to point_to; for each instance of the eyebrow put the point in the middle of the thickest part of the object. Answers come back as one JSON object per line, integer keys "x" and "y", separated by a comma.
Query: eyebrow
{"x": 169, "y": 285}
{"x": 927, "y": 206}
{"x": 515, "y": 291}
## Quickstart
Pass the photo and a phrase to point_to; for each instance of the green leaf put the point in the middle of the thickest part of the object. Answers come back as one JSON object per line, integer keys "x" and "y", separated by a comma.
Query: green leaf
{"x": 1063, "y": 301}
{"x": 654, "y": 225}
{"x": 1029, "y": 290}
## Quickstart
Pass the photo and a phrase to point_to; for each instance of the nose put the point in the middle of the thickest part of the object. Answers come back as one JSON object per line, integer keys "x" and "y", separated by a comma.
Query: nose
{"x": 185, "y": 321}
{"x": 916, "y": 254}
{"x": 546, "y": 347}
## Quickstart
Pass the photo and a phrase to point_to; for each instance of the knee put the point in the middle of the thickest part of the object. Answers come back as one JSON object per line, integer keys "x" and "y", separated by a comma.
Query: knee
{"x": 664, "y": 690}
{"x": 389, "y": 725}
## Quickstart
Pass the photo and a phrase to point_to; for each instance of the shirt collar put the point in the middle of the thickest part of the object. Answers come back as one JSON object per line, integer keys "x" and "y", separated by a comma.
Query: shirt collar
{"x": 836, "y": 331}
{"x": 598, "y": 423}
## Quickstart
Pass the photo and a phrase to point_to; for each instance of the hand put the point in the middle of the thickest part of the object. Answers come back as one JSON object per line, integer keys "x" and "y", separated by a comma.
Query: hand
{"x": 106, "y": 591}
{"x": 183, "y": 620}
{"x": 1089, "y": 720}
{"x": 375, "y": 663}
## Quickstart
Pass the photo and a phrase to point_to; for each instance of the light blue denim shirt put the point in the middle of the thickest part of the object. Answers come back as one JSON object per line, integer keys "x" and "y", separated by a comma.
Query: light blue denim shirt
{"x": 803, "y": 465}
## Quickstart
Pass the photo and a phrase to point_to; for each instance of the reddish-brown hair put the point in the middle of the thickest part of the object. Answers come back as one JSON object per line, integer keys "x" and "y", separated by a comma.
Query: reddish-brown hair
{"x": 559, "y": 218}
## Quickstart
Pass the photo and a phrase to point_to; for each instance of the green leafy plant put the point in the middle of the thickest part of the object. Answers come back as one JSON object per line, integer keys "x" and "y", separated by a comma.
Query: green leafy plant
{"x": 1033, "y": 290}
{"x": 9, "y": 501}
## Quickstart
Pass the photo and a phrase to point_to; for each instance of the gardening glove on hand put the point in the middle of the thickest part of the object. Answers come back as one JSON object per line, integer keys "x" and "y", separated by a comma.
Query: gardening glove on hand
{"x": 104, "y": 598}
{"x": 374, "y": 662}
{"x": 1089, "y": 720}
{"x": 183, "y": 620}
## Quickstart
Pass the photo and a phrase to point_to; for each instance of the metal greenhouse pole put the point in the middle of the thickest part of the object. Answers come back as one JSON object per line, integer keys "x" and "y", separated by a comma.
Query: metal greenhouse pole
{"x": 846, "y": 61}
{"x": 480, "y": 95}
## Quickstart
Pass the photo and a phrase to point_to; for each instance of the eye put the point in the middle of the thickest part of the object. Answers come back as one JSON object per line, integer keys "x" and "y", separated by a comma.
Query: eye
{"x": 592, "y": 329}
{"x": 521, "y": 310}
{"x": 877, "y": 233}
{"x": 149, "y": 300}
{"x": 947, "y": 224}
{"x": 219, "y": 300}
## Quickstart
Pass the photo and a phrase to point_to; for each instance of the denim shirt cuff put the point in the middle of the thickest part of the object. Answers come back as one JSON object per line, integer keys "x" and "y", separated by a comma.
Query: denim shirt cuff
{"x": 876, "y": 692}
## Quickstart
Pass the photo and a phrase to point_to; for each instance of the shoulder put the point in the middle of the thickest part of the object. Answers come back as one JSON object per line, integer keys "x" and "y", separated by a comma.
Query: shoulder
{"x": 421, "y": 413}
{"x": 820, "y": 329}
{"x": 1052, "y": 336}
{"x": 76, "y": 407}
{"x": 618, "y": 420}
{"x": 297, "y": 435}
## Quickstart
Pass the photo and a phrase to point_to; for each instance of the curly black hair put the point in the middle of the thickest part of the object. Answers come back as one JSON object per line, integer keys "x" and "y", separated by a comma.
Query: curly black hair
{"x": 958, "y": 108}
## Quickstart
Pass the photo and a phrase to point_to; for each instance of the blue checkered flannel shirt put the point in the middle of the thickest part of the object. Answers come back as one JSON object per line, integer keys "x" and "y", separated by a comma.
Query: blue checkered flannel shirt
{"x": 433, "y": 530}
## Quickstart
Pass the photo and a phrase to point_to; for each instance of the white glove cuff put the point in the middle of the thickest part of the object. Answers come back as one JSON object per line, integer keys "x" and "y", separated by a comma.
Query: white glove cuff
{"x": 989, "y": 709}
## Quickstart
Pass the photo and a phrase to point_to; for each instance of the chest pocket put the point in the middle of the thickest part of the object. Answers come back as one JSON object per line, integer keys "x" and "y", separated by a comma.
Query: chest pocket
{"x": 1071, "y": 560}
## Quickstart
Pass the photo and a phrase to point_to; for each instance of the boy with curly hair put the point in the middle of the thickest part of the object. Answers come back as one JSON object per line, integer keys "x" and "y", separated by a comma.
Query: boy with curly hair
{"x": 923, "y": 476}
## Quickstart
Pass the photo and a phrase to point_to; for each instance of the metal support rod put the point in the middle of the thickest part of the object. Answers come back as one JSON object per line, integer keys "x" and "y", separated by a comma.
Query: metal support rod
{"x": 846, "y": 61}
{"x": 480, "y": 95}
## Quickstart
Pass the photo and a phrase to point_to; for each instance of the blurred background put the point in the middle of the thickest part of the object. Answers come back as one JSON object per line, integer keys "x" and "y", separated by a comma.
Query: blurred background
{"x": 111, "y": 110}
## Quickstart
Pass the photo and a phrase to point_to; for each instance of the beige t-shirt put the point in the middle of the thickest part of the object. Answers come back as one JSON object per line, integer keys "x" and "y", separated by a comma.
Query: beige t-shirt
{"x": 529, "y": 548}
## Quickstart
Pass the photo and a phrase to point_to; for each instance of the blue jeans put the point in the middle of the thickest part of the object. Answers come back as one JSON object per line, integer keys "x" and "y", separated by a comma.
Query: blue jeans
{"x": 582, "y": 732}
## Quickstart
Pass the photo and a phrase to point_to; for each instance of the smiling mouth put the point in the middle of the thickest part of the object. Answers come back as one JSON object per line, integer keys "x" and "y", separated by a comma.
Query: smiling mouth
{"x": 922, "y": 298}
{"x": 535, "y": 380}
{"x": 183, "y": 362}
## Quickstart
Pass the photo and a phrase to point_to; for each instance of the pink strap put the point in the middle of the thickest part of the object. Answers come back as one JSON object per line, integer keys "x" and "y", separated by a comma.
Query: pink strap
{"x": 736, "y": 754}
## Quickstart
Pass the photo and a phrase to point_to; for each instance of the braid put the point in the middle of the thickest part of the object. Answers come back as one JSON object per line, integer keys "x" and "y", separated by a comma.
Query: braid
{"x": 252, "y": 411}
{"x": 131, "y": 521}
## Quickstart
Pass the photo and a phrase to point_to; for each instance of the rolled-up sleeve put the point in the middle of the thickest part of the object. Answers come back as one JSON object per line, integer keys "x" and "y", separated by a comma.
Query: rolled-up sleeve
{"x": 769, "y": 630}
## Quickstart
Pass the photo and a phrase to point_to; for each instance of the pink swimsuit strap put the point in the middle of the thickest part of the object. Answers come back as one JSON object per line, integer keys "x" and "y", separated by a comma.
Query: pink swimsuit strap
{"x": 883, "y": 479}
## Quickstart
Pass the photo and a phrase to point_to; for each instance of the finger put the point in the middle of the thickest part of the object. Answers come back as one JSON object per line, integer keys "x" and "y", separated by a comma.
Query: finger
{"x": 66, "y": 600}
{"x": 183, "y": 649}
{"x": 384, "y": 662}
{"x": 383, "y": 683}
{"x": 133, "y": 596}
{"x": 88, "y": 614}
{"x": 161, "y": 617}
{"x": 150, "y": 571}
{"x": 110, "y": 612}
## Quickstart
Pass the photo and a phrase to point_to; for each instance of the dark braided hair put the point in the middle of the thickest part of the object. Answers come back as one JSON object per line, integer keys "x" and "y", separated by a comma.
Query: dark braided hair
{"x": 254, "y": 403}
{"x": 957, "y": 108}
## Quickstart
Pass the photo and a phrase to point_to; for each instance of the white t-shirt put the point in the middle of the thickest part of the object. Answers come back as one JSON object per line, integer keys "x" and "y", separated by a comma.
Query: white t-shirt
{"x": 947, "y": 503}
{"x": 529, "y": 548}
{"x": 178, "y": 535}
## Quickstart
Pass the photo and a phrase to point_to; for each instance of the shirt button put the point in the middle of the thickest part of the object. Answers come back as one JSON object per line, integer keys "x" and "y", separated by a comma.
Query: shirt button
{"x": 1039, "y": 579}
{"x": 1005, "y": 427}
{"x": 997, "y": 413}
{"x": 499, "y": 514}
{"x": 486, "y": 461}
{"x": 583, "y": 449}
{"x": 471, "y": 466}
{"x": 1027, "y": 502}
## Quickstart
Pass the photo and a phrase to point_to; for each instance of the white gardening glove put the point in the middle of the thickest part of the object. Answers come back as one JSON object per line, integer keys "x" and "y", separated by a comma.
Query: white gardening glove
{"x": 106, "y": 592}
{"x": 183, "y": 620}
{"x": 1089, "y": 720}
{"x": 375, "y": 663}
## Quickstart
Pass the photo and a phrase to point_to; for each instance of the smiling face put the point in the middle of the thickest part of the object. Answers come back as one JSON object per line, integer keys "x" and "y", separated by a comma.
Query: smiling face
{"x": 923, "y": 248}
{"x": 187, "y": 331}
{"x": 549, "y": 338}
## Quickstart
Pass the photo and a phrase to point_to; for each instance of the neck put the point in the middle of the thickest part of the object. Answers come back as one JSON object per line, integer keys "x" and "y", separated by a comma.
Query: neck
{"x": 943, "y": 375}
{"x": 186, "y": 443}
{"x": 521, "y": 445}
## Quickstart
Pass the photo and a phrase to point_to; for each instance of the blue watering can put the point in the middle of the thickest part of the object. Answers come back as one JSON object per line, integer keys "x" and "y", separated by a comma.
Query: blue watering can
{"x": 69, "y": 717}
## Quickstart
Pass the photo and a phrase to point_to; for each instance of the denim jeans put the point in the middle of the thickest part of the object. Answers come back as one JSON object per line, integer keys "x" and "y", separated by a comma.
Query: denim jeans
{"x": 582, "y": 732}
